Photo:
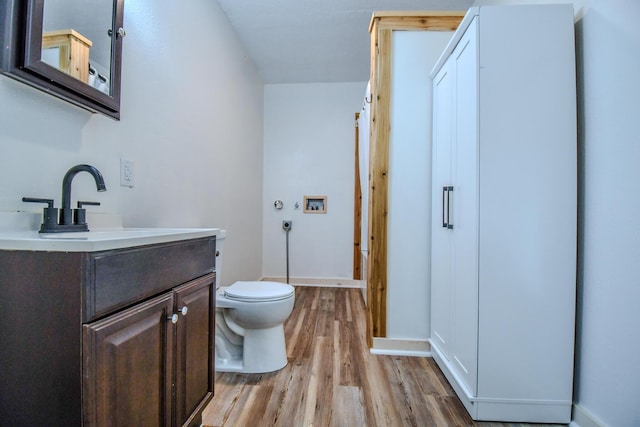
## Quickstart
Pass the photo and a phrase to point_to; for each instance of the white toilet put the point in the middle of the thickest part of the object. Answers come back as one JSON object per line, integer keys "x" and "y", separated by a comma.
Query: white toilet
{"x": 249, "y": 324}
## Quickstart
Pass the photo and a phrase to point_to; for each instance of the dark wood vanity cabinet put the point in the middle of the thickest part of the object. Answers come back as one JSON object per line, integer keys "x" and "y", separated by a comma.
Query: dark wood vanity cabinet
{"x": 195, "y": 336}
{"x": 115, "y": 338}
{"x": 128, "y": 359}
{"x": 137, "y": 360}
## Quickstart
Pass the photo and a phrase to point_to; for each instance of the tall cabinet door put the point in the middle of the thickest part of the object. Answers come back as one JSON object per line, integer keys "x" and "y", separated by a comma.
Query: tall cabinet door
{"x": 464, "y": 208}
{"x": 195, "y": 303}
{"x": 512, "y": 266}
{"x": 440, "y": 234}
{"x": 128, "y": 366}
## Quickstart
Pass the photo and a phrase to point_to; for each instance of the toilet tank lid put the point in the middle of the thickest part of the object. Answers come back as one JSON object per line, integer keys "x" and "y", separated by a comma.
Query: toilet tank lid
{"x": 259, "y": 290}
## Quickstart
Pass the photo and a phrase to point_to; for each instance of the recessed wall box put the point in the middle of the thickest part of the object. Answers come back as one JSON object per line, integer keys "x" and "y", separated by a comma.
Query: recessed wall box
{"x": 315, "y": 204}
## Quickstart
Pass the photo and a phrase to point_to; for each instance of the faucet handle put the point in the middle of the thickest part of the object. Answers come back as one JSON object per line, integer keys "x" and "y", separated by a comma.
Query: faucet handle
{"x": 82, "y": 203}
{"x": 80, "y": 214}
{"x": 49, "y": 202}
{"x": 49, "y": 214}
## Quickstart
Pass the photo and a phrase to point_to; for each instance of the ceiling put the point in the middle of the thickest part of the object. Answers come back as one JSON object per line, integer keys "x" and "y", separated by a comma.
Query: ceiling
{"x": 312, "y": 41}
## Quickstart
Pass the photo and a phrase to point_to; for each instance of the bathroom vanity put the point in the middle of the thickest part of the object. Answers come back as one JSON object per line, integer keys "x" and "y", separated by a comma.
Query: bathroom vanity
{"x": 107, "y": 329}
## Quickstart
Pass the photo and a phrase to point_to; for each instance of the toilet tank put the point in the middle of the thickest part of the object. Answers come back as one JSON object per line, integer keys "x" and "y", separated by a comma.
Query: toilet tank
{"x": 219, "y": 256}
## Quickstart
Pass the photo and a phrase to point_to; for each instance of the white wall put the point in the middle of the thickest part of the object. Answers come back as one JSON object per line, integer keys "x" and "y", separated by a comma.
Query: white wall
{"x": 309, "y": 149}
{"x": 607, "y": 377}
{"x": 409, "y": 214}
{"x": 192, "y": 106}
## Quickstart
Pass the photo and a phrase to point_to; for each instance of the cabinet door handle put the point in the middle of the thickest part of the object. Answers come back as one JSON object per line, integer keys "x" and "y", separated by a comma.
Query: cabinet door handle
{"x": 449, "y": 191}
{"x": 174, "y": 317}
{"x": 444, "y": 222}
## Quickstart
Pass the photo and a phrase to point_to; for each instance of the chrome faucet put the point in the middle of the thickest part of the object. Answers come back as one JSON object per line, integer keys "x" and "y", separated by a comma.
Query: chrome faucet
{"x": 66, "y": 216}
{"x": 69, "y": 219}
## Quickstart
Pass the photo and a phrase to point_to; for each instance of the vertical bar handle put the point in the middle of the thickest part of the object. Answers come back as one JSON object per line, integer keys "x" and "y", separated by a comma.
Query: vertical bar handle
{"x": 444, "y": 222}
{"x": 449, "y": 191}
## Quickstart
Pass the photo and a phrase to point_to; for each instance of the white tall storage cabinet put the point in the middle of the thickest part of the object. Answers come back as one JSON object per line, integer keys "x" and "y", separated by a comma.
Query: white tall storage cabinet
{"x": 504, "y": 212}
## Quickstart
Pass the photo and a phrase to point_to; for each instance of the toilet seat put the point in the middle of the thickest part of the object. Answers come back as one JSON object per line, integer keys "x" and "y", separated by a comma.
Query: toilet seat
{"x": 259, "y": 291}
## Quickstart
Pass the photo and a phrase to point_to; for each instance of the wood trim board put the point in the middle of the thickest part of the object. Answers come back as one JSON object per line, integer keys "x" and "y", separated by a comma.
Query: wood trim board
{"x": 381, "y": 28}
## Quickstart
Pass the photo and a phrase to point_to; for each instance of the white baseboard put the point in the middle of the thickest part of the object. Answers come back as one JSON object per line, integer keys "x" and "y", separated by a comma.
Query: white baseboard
{"x": 396, "y": 347}
{"x": 583, "y": 418}
{"x": 311, "y": 281}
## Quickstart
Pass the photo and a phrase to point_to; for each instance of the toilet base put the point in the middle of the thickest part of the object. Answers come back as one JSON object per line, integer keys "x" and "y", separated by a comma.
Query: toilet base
{"x": 228, "y": 365}
{"x": 263, "y": 350}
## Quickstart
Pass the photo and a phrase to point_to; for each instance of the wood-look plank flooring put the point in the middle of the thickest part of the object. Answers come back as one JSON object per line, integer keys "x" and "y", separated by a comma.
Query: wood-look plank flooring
{"x": 333, "y": 380}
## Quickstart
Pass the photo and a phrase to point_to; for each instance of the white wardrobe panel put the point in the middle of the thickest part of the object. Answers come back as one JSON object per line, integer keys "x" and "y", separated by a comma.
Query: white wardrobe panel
{"x": 513, "y": 198}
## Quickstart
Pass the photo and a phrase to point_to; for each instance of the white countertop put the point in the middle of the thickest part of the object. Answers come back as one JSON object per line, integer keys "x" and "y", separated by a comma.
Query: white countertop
{"x": 17, "y": 237}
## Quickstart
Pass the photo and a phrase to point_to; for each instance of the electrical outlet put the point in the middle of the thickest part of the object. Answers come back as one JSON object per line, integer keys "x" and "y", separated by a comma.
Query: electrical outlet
{"x": 126, "y": 173}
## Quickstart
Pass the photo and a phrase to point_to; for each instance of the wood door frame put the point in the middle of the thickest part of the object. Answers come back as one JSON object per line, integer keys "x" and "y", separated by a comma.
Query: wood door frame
{"x": 381, "y": 27}
{"x": 357, "y": 209}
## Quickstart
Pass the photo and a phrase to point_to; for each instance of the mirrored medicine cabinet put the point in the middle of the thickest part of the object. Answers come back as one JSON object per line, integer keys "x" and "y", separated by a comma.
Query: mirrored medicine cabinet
{"x": 71, "y": 49}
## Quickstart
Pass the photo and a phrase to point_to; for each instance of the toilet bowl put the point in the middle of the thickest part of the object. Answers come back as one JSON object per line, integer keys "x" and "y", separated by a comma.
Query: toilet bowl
{"x": 249, "y": 326}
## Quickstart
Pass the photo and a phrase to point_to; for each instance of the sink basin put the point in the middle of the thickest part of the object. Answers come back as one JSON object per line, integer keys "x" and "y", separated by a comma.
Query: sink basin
{"x": 99, "y": 240}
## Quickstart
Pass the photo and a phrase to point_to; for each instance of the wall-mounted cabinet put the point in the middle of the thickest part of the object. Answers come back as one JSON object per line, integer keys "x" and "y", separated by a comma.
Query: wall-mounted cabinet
{"x": 73, "y": 54}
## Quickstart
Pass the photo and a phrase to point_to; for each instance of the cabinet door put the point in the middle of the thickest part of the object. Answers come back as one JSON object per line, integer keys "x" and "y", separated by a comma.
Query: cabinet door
{"x": 464, "y": 208}
{"x": 440, "y": 234}
{"x": 194, "y": 348}
{"x": 127, "y": 360}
